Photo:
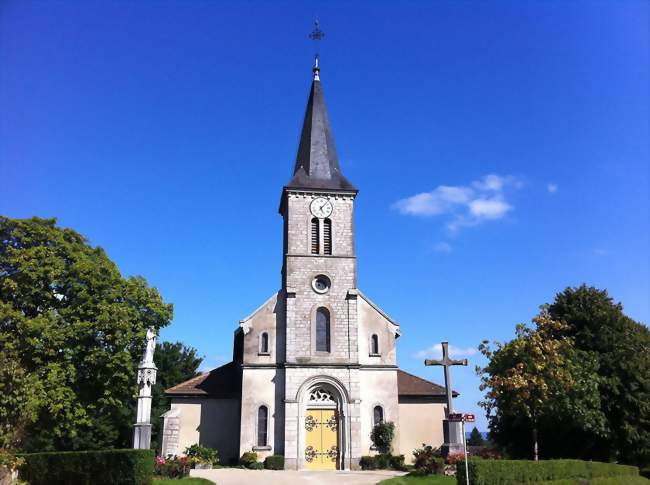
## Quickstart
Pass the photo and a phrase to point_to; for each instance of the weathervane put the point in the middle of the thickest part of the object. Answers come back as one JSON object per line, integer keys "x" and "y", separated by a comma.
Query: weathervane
{"x": 316, "y": 35}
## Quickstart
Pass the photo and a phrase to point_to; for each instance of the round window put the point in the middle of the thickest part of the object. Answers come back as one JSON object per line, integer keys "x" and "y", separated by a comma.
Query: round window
{"x": 321, "y": 284}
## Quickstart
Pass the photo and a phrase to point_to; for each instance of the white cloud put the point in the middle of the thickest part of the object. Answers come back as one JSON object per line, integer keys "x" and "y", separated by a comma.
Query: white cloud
{"x": 552, "y": 188}
{"x": 489, "y": 208}
{"x": 435, "y": 352}
{"x": 442, "y": 247}
{"x": 469, "y": 205}
{"x": 438, "y": 201}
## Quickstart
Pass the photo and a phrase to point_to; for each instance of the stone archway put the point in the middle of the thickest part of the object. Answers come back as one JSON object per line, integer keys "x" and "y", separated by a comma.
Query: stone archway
{"x": 323, "y": 425}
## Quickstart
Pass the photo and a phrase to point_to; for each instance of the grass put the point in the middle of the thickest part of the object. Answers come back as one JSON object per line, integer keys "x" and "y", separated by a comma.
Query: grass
{"x": 427, "y": 480}
{"x": 181, "y": 481}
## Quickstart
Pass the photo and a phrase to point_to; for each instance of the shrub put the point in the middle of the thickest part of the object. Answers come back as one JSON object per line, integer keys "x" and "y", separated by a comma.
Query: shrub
{"x": 8, "y": 464}
{"x": 428, "y": 460}
{"x": 199, "y": 454}
{"x": 397, "y": 462}
{"x": 368, "y": 463}
{"x": 507, "y": 472}
{"x": 274, "y": 462}
{"x": 383, "y": 461}
{"x": 172, "y": 466}
{"x": 107, "y": 467}
{"x": 382, "y": 436}
{"x": 248, "y": 459}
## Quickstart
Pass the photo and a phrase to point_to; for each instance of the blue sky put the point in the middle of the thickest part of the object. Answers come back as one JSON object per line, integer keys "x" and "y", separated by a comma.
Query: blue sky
{"x": 500, "y": 148}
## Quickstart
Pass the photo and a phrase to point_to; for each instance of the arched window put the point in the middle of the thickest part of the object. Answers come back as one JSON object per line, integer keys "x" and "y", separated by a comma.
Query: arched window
{"x": 262, "y": 425}
{"x": 264, "y": 343}
{"x": 322, "y": 330}
{"x": 315, "y": 238}
{"x": 327, "y": 236}
{"x": 377, "y": 415}
{"x": 374, "y": 344}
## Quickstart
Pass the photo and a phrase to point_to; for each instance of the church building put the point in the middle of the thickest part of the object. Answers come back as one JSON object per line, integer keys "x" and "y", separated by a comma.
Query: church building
{"x": 314, "y": 368}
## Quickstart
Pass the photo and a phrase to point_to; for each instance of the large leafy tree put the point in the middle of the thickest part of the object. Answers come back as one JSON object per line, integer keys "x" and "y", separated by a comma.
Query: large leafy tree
{"x": 76, "y": 329}
{"x": 176, "y": 363}
{"x": 621, "y": 347}
{"x": 538, "y": 378}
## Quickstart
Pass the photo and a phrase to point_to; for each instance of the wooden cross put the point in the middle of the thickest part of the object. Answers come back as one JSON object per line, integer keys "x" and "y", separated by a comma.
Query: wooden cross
{"x": 446, "y": 362}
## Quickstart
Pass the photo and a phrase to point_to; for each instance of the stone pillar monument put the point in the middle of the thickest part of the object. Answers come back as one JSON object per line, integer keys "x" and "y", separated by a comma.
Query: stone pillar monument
{"x": 452, "y": 430}
{"x": 146, "y": 379}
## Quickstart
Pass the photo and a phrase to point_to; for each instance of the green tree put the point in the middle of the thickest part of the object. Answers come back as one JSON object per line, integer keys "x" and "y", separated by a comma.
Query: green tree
{"x": 78, "y": 330}
{"x": 176, "y": 363}
{"x": 621, "y": 348}
{"x": 537, "y": 377}
{"x": 475, "y": 438}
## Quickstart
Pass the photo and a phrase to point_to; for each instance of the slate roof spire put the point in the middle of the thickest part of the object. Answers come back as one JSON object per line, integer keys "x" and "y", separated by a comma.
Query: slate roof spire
{"x": 317, "y": 165}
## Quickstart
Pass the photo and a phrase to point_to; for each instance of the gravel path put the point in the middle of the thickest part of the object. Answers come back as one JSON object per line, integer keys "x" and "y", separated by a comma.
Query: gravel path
{"x": 237, "y": 476}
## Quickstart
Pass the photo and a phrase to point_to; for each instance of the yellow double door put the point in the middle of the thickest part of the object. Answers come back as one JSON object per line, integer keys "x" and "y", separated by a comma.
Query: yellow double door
{"x": 321, "y": 439}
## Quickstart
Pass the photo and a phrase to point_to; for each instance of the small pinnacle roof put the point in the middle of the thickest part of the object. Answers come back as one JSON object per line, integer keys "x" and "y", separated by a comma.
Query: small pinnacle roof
{"x": 317, "y": 165}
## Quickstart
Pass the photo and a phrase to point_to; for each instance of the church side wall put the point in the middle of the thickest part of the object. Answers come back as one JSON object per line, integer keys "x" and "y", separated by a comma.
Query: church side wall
{"x": 262, "y": 387}
{"x": 209, "y": 422}
{"x": 378, "y": 388}
{"x": 372, "y": 322}
{"x": 268, "y": 318}
{"x": 419, "y": 423}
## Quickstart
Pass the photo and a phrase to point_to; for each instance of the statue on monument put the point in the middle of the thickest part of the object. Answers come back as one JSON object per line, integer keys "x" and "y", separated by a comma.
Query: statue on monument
{"x": 147, "y": 357}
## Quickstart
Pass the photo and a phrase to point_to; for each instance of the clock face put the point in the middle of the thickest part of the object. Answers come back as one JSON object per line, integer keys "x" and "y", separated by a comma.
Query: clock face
{"x": 321, "y": 207}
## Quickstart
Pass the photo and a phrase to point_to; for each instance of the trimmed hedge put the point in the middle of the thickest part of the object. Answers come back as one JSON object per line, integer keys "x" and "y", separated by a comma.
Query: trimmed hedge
{"x": 515, "y": 472}
{"x": 620, "y": 480}
{"x": 274, "y": 462}
{"x": 383, "y": 461}
{"x": 105, "y": 467}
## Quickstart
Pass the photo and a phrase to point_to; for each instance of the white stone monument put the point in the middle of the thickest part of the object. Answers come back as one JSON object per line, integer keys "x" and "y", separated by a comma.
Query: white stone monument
{"x": 146, "y": 379}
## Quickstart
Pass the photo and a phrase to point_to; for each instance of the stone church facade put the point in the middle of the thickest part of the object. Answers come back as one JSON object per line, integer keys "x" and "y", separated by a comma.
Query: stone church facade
{"x": 315, "y": 367}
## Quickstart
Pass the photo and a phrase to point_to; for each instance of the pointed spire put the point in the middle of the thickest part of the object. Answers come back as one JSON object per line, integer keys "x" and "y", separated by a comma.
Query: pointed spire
{"x": 317, "y": 165}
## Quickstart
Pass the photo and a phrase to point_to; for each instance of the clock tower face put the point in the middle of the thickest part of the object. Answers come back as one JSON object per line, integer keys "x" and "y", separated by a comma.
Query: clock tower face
{"x": 321, "y": 207}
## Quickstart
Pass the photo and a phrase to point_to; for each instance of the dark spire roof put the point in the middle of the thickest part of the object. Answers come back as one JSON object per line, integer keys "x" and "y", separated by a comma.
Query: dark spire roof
{"x": 317, "y": 165}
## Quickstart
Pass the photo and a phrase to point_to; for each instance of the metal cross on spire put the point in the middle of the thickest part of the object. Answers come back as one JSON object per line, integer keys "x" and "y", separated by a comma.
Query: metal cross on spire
{"x": 316, "y": 35}
{"x": 446, "y": 362}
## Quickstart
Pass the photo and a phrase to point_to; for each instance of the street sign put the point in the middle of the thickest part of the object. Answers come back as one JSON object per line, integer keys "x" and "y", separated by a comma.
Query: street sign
{"x": 470, "y": 418}
{"x": 455, "y": 417}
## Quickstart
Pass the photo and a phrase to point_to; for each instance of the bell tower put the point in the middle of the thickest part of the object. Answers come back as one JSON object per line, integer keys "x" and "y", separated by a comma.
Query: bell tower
{"x": 319, "y": 262}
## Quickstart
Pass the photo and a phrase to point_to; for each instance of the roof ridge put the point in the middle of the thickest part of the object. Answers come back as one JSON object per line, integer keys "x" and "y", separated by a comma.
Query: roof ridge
{"x": 203, "y": 374}
{"x": 418, "y": 377}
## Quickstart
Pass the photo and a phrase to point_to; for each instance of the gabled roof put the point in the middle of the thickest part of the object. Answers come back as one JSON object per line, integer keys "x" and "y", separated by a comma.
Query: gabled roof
{"x": 414, "y": 386}
{"x": 223, "y": 382}
{"x": 317, "y": 164}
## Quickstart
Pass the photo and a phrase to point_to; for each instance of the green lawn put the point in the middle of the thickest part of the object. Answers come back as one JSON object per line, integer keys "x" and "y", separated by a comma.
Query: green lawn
{"x": 181, "y": 481}
{"x": 428, "y": 480}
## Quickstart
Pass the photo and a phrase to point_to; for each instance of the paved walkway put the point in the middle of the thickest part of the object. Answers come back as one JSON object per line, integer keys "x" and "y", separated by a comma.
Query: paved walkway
{"x": 237, "y": 476}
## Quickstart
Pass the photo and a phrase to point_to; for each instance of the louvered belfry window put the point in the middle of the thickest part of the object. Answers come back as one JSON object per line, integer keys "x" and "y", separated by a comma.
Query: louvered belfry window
{"x": 315, "y": 239}
{"x": 327, "y": 236}
{"x": 322, "y": 330}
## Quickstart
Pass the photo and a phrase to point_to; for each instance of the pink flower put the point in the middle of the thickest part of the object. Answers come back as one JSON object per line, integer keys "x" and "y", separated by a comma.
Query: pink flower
{"x": 160, "y": 460}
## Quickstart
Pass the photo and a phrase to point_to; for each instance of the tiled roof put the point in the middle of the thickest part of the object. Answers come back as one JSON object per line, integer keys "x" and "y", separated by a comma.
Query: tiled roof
{"x": 223, "y": 382}
{"x": 410, "y": 385}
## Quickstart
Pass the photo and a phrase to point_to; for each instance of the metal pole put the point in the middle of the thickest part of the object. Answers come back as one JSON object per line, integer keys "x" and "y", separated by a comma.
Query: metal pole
{"x": 465, "y": 448}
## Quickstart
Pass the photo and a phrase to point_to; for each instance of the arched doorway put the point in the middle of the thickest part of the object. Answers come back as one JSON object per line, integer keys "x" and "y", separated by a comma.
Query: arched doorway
{"x": 323, "y": 444}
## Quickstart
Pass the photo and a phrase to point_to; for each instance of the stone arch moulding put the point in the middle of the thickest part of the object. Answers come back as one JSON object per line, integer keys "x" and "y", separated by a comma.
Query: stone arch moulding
{"x": 342, "y": 402}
